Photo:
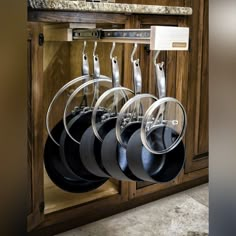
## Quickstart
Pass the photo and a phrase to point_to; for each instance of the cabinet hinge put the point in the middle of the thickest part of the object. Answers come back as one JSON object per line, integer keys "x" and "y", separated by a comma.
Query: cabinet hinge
{"x": 41, "y": 39}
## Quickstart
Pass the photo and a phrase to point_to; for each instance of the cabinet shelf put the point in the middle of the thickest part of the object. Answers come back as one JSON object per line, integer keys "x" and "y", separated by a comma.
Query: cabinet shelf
{"x": 57, "y": 199}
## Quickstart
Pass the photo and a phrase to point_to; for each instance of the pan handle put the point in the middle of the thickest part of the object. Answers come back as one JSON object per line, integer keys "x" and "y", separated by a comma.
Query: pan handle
{"x": 85, "y": 62}
{"x": 115, "y": 76}
{"x": 137, "y": 76}
{"x": 161, "y": 80}
{"x": 85, "y": 69}
{"x": 96, "y": 74}
{"x": 161, "y": 84}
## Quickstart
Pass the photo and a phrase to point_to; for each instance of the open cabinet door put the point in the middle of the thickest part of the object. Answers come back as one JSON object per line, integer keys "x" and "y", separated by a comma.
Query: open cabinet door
{"x": 35, "y": 124}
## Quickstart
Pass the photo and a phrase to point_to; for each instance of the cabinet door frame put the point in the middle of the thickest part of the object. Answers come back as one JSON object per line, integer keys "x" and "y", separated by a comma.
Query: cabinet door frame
{"x": 198, "y": 74}
{"x": 35, "y": 123}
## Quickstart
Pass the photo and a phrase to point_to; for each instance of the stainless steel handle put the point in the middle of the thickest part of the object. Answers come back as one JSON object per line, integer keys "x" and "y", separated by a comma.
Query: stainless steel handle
{"x": 137, "y": 77}
{"x": 96, "y": 74}
{"x": 115, "y": 72}
{"x": 161, "y": 84}
{"x": 161, "y": 80}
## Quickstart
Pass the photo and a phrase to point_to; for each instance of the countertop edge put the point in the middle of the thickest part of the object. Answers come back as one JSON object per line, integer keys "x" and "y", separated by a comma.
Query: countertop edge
{"x": 69, "y": 5}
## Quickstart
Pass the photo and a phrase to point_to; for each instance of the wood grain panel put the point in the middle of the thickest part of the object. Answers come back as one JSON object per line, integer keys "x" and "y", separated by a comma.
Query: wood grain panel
{"x": 197, "y": 102}
{"x": 30, "y": 128}
{"x": 57, "y": 199}
{"x": 36, "y": 122}
{"x": 204, "y": 116}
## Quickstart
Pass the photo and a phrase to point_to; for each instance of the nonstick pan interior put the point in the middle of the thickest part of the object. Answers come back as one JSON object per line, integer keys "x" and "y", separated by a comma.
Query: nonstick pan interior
{"x": 70, "y": 150}
{"x": 57, "y": 171}
{"x": 90, "y": 148}
{"x": 155, "y": 167}
{"x": 114, "y": 155}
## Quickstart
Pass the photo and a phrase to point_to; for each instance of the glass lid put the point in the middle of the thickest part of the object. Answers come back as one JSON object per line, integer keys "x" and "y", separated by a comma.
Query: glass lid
{"x": 112, "y": 101}
{"x": 163, "y": 125}
{"x": 131, "y": 115}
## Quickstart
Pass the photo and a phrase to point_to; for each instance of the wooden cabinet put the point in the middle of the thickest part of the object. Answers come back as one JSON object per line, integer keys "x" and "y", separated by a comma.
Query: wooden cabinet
{"x": 52, "y": 64}
{"x": 197, "y": 98}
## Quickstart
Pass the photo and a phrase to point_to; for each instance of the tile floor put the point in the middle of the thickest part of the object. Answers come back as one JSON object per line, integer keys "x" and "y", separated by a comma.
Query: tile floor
{"x": 182, "y": 214}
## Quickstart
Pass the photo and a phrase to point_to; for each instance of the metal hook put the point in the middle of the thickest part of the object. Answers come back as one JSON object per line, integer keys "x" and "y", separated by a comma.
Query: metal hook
{"x": 95, "y": 47}
{"x": 155, "y": 57}
{"x": 112, "y": 50}
{"x": 133, "y": 52}
{"x": 85, "y": 44}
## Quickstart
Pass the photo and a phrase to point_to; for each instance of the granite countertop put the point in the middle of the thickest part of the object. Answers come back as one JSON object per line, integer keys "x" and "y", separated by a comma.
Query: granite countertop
{"x": 75, "y": 5}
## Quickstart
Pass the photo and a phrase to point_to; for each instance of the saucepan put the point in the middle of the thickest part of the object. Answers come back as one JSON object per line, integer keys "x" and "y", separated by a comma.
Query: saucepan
{"x": 58, "y": 170}
{"x": 160, "y": 137}
{"x": 129, "y": 120}
{"x": 91, "y": 141}
{"x": 71, "y": 137}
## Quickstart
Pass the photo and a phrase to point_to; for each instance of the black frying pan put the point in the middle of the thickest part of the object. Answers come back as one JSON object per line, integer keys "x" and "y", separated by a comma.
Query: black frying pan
{"x": 91, "y": 142}
{"x": 113, "y": 155}
{"x": 70, "y": 150}
{"x": 161, "y": 138}
{"x": 70, "y": 139}
{"x": 153, "y": 167}
{"x": 58, "y": 172}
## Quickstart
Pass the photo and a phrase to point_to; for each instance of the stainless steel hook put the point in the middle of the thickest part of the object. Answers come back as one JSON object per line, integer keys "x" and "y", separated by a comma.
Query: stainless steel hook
{"x": 112, "y": 50}
{"x": 95, "y": 47}
{"x": 133, "y": 52}
{"x": 85, "y": 44}
{"x": 156, "y": 56}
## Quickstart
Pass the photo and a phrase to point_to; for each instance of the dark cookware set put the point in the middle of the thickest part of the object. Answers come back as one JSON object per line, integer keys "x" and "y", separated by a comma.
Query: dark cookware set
{"x": 114, "y": 132}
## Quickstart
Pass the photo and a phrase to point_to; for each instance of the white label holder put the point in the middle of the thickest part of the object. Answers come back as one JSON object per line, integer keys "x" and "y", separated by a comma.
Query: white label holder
{"x": 168, "y": 38}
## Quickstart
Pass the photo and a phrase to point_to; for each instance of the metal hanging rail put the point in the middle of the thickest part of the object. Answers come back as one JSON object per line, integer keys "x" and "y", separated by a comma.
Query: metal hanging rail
{"x": 110, "y": 35}
{"x": 162, "y": 38}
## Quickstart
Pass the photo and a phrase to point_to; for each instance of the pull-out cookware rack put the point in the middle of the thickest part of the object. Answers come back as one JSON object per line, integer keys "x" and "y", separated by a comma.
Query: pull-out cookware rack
{"x": 160, "y": 38}
{"x": 163, "y": 38}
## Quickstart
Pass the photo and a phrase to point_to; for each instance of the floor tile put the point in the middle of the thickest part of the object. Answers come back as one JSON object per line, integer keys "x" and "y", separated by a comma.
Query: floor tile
{"x": 200, "y": 194}
{"x": 182, "y": 214}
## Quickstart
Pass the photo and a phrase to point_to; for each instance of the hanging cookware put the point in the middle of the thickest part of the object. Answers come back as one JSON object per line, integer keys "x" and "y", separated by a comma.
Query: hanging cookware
{"x": 162, "y": 129}
{"x": 74, "y": 129}
{"x": 91, "y": 141}
{"x": 56, "y": 169}
{"x": 114, "y": 153}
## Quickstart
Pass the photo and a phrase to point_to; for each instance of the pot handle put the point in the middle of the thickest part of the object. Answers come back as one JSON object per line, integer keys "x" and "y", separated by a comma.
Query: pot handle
{"x": 115, "y": 76}
{"x": 85, "y": 69}
{"x": 85, "y": 62}
{"x": 137, "y": 76}
{"x": 96, "y": 74}
{"x": 161, "y": 86}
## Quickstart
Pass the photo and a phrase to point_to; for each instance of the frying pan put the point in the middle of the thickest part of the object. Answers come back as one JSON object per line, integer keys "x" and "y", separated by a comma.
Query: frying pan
{"x": 91, "y": 141}
{"x": 160, "y": 139}
{"x": 74, "y": 129}
{"x": 59, "y": 173}
{"x": 113, "y": 153}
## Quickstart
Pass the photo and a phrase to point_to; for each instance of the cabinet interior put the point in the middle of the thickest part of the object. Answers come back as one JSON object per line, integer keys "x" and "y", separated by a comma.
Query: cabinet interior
{"x": 57, "y": 199}
{"x": 62, "y": 63}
